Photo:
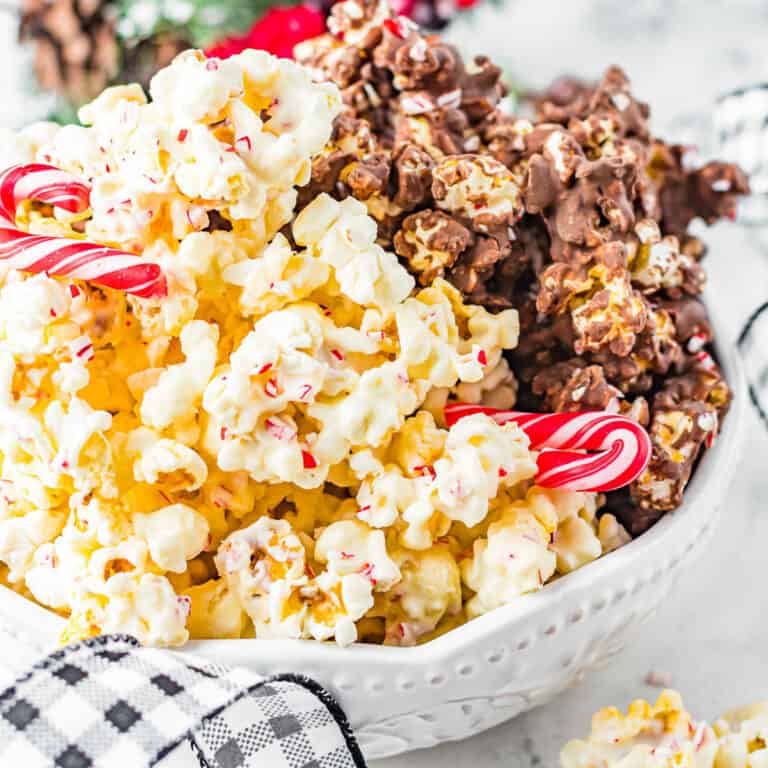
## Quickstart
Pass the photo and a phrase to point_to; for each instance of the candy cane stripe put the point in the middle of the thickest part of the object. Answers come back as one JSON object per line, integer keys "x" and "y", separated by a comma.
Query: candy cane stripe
{"x": 622, "y": 447}
{"x": 62, "y": 256}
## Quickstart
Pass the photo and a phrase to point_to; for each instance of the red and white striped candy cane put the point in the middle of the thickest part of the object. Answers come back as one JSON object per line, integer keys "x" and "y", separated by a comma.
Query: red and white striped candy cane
{"x": 622, "y": 447}
{"x": 77, "y": 259}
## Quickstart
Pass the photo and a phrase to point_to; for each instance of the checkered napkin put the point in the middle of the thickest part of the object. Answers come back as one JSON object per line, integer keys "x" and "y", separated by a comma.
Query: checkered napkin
{"x": 741, "y": 134}
{"x": 110, "y": 703}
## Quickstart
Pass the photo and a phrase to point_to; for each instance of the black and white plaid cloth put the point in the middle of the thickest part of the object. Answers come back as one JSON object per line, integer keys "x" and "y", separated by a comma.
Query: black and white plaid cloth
{"x": 110, "y": 703}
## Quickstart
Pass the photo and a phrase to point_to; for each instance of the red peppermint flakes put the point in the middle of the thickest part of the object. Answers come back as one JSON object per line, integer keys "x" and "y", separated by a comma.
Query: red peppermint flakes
{"x": 310, "y": 462}
{"x": 393, "y": 26}
{"x": 367, "y": 571}
{"x": 270, "y": 388}
{"x": 426, "y": 470}
{"x": 280, "y": 429}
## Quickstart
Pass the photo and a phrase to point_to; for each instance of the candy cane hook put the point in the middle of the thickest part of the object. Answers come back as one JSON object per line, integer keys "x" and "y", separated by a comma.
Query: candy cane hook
{"x": 622, "y": 446}
{"x": 61, "y": 256}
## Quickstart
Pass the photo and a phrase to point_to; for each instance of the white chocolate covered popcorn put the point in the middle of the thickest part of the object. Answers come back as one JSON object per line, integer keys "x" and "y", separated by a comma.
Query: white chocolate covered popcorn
{"x": 430, "y": 591}
{"x": 455, "y": 483}
{"x": 547, "y": 532}
{"x": 664, "y": 735}
{"x": 268, "y": 568}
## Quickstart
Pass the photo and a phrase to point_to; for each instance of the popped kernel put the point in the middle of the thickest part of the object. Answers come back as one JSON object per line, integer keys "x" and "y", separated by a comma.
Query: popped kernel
{"x": 665, "y": 734}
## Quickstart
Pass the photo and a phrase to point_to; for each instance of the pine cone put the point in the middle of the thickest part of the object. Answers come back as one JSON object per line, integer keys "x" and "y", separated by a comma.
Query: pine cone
{"x": 76, "y": 50}
{"x": 143, "y": 58}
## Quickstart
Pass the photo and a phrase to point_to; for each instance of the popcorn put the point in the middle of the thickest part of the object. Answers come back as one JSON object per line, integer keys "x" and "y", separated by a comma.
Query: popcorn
{"x": 344, "y": 237}
{"x": 431, "y": 241}
{"x": 660, "y": 264}
{"x": 743, "y": 737}
{"x": 267, "y": 567}
{"x": 277, "y": 278}
{"x": 215, "y": 612}
{"x": 429, "y": 591}
{"x": 180, "y": 386}
{"x": 477, "y": 188}
{"x": 147, "y": 608}
{"x": 256, "y": 454}
{"x": 299, "y": 358}
{"x": 350, "y": 546}
{"x": 548, "y": 531}
{"x": 665, "y": 734}
{"x": 174, "y": 535}
{"x": 166, "y": 462}
{"x": 513, "y": 559}
{"x": 686, "y": 419}
{"x": 479, "y": 457}
{"x": 457, "y": 483}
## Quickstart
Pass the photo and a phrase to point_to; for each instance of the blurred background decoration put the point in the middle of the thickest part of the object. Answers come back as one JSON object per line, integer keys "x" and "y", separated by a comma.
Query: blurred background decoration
{"x": 80, "y": 46}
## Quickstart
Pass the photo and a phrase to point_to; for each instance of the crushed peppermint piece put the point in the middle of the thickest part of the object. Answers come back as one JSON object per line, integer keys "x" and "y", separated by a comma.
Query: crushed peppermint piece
{"x": 418, "y": 51}
{"x": 416, "y": 104}
{"x": 271, "y": 389}
{"x": 450, "y": 100}
{"x": 658, "y": 679}
{"x": 395, "y": 27}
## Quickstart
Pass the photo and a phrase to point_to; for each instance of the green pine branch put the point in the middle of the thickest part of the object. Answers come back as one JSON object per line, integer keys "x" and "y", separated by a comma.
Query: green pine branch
{"x": 198, "y": 21}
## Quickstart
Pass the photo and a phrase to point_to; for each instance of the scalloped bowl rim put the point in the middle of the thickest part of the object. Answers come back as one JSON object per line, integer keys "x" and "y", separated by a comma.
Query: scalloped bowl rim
{"x": 45, "y": 625}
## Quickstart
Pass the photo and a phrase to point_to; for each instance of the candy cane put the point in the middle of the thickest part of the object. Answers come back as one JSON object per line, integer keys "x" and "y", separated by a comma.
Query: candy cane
{"x": 623, "y": 447}
{"x": 59, "y": 255}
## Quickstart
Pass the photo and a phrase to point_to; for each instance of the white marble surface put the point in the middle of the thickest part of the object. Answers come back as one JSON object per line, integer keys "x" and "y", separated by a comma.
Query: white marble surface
{"x": 710, "y": 637}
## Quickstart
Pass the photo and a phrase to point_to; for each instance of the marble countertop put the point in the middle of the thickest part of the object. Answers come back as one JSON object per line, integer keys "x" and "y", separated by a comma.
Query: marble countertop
{"x": 709, "y": 639}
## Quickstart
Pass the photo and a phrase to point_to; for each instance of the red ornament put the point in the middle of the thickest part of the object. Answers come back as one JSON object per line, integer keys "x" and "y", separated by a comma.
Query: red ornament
{"x": 277, "y": 31}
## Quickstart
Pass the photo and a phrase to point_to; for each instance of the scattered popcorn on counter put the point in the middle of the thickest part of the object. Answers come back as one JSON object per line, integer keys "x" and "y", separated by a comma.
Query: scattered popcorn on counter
{"x": 262, "y": 452}
{"x": 664, "y": 735}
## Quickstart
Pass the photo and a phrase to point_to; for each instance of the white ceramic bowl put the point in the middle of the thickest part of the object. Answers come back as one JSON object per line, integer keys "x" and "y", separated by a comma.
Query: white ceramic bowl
{"x": 492, "y": 668}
